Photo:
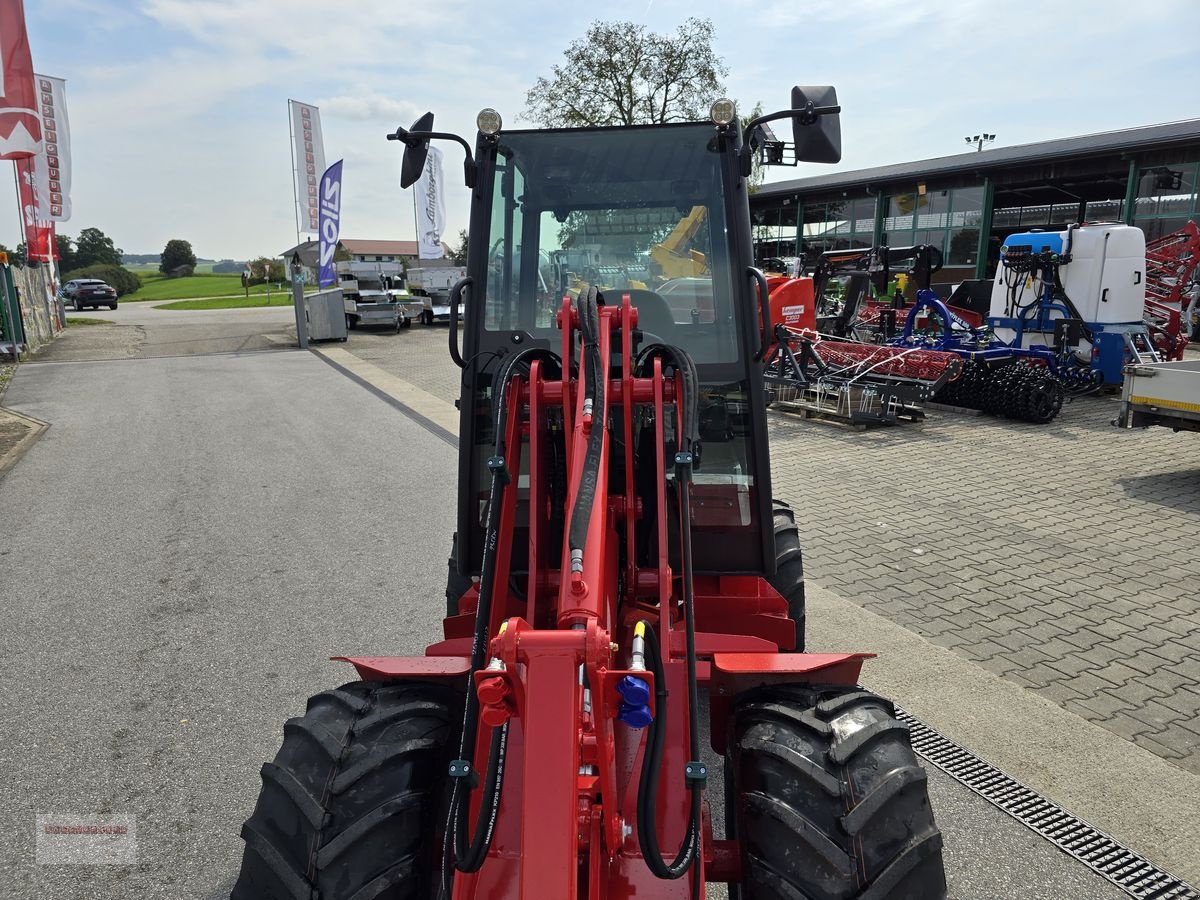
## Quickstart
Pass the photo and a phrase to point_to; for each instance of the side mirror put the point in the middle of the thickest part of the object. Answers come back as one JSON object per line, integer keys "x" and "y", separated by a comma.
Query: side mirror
{"x": 415, "y": 152}
{"x": 817, "y": 134}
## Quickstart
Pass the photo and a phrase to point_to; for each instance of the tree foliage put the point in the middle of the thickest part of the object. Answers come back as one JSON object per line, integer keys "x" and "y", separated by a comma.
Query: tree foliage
{"x": 459, "y": 254}
{"x": 94, "y": 247}
{"x": 65, "y": 250}
{"x": 620, "y": 73}
{"x": 15, "y": 257}
{"x": 266, "y": 269}
{"x": 177, "y": 253}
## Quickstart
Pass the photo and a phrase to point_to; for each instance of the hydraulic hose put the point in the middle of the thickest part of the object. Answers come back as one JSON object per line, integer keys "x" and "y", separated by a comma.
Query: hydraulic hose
{"x": 457, "y": 852}
{"x": 648, "y": 783}
{"x": 688, "y": 443}
{"x": 594, "y": 399}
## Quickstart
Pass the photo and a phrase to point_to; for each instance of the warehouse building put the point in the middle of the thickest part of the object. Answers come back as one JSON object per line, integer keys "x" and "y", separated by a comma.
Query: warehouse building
{"x": 967, "y": 204}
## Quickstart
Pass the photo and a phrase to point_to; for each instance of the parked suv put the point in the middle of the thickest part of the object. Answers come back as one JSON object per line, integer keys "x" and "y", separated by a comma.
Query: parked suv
{"x": 85, "y": 292}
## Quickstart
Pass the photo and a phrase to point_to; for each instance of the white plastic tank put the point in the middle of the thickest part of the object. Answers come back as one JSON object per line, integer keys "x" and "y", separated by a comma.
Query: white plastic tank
{"x": 1105, "y": 278}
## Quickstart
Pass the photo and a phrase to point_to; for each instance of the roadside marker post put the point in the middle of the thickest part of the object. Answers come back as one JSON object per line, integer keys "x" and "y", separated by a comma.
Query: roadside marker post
{"x": 298, "y": 301}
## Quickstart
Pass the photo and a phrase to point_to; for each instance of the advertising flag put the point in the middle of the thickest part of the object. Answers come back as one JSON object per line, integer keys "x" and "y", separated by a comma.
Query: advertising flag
{"x": 308, "y": 149}
{"x": 39, "y": 230}
{"x": 20, "y": 127}
{"x": 52, "y": 166}
{"x": 331, "y": 221}
{"x": 431, "y": 207}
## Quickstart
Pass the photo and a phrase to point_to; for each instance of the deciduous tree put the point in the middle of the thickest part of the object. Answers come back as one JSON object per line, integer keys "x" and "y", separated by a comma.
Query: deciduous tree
{"x": 620, "y": 73}
{"x": 177, "y": 253}
{"x": 94, "y": 248}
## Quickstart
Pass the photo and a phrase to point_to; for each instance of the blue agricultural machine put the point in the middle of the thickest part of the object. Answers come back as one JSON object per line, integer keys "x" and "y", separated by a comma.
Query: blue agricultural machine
{"x": 1065, "y": 318}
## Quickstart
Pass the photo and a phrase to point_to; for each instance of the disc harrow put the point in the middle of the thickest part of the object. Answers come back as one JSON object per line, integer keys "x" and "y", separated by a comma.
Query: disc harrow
{"x": 1020, "y": 389}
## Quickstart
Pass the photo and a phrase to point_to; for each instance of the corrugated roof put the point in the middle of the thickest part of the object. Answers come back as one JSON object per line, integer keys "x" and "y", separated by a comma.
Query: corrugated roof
{"x": 1141, "y": 138}
{"x": 382, "y": 248}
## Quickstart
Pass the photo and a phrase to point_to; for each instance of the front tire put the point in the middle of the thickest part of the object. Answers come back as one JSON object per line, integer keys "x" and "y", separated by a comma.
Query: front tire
{"x": 828, "y": 800}
{"x": 353, "y": 804}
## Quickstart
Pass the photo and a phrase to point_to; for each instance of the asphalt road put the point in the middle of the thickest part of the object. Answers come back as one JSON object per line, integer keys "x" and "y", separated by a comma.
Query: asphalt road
{"x": 146, "y": 331}
{"x": 187, "y": 544}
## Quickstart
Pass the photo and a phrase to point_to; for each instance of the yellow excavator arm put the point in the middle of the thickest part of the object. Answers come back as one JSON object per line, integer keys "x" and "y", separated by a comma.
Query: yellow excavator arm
{"x": 673, "y": 256}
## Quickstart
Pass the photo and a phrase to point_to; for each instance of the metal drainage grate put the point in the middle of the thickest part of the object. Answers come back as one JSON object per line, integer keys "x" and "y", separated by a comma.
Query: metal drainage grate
{"x": 1129, "y": 871}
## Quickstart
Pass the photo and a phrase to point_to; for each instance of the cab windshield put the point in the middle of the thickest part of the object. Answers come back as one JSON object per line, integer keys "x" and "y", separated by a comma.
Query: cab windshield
{"x": 637, "y": 212}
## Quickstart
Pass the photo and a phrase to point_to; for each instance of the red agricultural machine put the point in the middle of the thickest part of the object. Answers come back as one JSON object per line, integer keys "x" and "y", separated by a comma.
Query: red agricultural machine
{"x": 621, "y": 584}
{"x": 1171, "y": 265}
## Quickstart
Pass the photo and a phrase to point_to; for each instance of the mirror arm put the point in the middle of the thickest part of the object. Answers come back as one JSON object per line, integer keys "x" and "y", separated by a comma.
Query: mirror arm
{"x": 807, "y": 116}
{"x": 412, "y": 138}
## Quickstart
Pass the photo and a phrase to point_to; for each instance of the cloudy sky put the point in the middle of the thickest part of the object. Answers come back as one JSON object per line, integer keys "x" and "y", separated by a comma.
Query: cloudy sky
{"x": 178, "y": 108}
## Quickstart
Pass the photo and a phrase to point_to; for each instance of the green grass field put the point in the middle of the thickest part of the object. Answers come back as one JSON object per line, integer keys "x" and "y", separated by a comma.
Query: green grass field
{"x": 158, "y": 287}
{"x": 204, "y": 268}
{"x": 243, "y": 302}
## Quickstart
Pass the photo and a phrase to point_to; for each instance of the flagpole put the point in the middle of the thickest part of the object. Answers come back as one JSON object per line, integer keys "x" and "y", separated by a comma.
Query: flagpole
{"x": 292, "y": 151}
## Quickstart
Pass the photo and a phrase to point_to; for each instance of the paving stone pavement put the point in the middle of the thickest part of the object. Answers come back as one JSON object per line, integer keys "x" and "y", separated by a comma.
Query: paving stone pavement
{"x": 1064, "y": 558}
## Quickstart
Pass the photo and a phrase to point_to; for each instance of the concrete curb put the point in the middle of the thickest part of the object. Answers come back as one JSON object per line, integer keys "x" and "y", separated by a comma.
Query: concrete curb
{"x": 1136, "y": 797}
{"x": 423, "y": 403}
{"x": 34, "y": 427}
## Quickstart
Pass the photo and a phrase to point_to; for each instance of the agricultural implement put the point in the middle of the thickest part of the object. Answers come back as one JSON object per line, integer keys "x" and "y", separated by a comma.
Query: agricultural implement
{"x": 618, "y": 553}
{"x": 1172, "y": 264}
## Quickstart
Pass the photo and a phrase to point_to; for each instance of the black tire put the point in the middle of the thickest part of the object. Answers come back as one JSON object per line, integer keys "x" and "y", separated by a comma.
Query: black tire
{"x": 789, "y": 567}
{"x": 351, "y": 322}
{"x": 112, "y": 306}
{"x": 355, "y": 797}
{"x": 828, "y": 800}
{"x": 427, "y": 317}
{"x": 456, "y": 584}
{"x": 78, "y": 306}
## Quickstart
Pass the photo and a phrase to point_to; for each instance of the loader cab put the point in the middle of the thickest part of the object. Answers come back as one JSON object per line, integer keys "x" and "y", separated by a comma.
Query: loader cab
{"x": 657, "y": 213}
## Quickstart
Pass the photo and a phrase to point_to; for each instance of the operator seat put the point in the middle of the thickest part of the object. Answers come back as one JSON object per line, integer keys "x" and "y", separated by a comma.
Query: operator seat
{"x": 654, "y": 313}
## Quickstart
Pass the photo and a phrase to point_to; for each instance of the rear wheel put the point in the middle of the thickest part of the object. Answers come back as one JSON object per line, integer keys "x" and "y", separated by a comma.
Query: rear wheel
{"x": 352, "y": 806}
{"x": 788, "y": 579}
{"x": 828, "y": 800}
{"x": 112, "y": 306}
{"x": 78, "y": 306}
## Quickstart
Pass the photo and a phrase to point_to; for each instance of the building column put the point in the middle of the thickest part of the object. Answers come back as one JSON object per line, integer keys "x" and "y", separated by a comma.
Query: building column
{"x": 1131, "y": 186}
{"x": 985, "y": 228}
{"x": 880, "y": 205}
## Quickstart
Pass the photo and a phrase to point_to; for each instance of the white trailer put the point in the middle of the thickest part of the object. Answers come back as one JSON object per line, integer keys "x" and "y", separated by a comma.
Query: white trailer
{"x": 433, "y": 284}
{"x": 1162, "y": 393}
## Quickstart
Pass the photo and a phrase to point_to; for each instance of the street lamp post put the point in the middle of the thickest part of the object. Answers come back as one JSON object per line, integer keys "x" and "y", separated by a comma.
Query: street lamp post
{"x": 298, "y": 301}
{"x": 980, "y": 139}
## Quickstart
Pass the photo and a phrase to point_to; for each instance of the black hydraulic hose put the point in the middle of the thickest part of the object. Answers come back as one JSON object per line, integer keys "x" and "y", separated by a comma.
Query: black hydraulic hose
{"x": 581, "y": 513}
{"x": 690, "y": 426}
{"x": 689, "y": 851}
{"x": 470, "y": 858}
{"x": 648, "y": 783}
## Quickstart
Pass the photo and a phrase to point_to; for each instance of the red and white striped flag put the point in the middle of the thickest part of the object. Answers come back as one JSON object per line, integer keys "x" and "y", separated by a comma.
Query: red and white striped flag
{"x": 20, "y": 125}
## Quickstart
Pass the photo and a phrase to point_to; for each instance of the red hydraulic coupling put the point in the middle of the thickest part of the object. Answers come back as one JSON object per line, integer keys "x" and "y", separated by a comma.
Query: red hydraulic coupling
{"x": 495, "y": 706}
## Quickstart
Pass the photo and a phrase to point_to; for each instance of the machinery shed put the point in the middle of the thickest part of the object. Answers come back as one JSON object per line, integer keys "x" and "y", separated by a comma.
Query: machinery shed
{"x": 968, "y": 203}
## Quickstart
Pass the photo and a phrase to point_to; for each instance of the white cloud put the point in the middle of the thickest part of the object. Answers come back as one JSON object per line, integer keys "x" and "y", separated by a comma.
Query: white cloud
{"x": 366, "y": 105}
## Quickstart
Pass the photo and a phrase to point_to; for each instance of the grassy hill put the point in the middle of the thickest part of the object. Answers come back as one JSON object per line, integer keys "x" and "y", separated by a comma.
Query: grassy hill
{"x": 202, "y": 268}
{"x": 156, "y": 286}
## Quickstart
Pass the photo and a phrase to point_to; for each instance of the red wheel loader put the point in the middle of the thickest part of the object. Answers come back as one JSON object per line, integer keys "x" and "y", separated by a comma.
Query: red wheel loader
{"x": 621, "y": 584}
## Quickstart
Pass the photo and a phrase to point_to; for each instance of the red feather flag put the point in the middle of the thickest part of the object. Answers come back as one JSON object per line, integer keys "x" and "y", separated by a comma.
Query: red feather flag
{"x": 20, "y": 126}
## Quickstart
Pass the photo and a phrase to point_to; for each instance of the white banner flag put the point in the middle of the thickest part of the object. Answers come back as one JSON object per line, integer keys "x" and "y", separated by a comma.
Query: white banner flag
{"x": 308, "y": 150}
{"x": 52, "y": 166}
{"x": 431, "y": 207}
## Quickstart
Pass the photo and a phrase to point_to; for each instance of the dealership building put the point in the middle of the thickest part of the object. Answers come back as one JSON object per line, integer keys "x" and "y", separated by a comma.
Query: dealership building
{"x": 967, "y": 204}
